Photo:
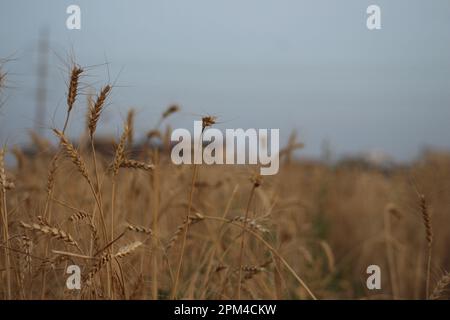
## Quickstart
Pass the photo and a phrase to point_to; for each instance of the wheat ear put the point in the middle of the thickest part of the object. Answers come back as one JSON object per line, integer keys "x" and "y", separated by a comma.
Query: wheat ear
{"x": 52, "y": 232}
{"x": 96, "y": 109}
{"x": 73, "y": 86}
{"x": 442, "y": 289}
{"x": 134, "y": 164}
{"x": 429, "y": 237}
{"x": 73, "y": 154}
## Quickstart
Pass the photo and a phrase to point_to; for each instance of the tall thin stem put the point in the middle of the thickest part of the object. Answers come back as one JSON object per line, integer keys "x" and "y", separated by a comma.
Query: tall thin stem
{"x": 428, "y": 273}
{"x": 243, "y": 241}
{"x": 6, "y": 240}
{"x": 183, "y": 245}
{"x": 155, "y": 185}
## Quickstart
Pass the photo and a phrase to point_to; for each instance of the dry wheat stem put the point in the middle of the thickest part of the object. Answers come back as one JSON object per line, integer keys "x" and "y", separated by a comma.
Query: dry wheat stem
{"x": 75, "y": 255}
{"x": 106, "y": 258}
{"x": 155, "y": 211}
{"x": 390, "y": 254}
{"x": 94, "y": 116}
{"x": 130, "y": 125}
{"x": 118, "y": 159}
{"x": 183, "y": 244}
{"x": 73, "y": 154}
{"x": 241, "y": 252}
{"x": 98, "y": 190}
{"x": 77, "y": 160}
{"x": 4, "y": 214}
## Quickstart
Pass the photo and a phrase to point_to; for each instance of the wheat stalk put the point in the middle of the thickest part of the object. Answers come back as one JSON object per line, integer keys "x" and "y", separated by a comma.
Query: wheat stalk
{"x": 104, "y": 259}
{"x": 130, "y": 125}
{"x": 186, "y": 222}
{"x": 4, "y": 214}
{"x": 206, "y": 122}
{"x": 73, "y": 154}
{"x": 118, "y": 159}
{"x": 52, "y": 262}
{"x": 256, "y": 182}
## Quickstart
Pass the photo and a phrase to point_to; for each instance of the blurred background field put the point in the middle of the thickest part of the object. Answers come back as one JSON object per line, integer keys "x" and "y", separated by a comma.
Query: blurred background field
{"x": 365, "y": 168}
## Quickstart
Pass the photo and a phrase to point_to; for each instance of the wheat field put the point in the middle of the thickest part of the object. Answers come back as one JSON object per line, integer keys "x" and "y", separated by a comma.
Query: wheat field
{"x": 140, "y": 227}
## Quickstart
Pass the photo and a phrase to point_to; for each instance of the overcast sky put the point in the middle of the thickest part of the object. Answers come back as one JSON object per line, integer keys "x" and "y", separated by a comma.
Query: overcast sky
{"x": 310, "y": 65}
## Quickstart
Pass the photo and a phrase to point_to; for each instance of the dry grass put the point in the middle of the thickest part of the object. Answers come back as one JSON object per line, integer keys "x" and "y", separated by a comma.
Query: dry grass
{"x": 207, "y": 232}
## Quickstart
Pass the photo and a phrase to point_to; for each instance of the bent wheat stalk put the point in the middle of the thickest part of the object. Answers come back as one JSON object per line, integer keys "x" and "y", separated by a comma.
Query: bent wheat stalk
{"x": 77, "y": 160}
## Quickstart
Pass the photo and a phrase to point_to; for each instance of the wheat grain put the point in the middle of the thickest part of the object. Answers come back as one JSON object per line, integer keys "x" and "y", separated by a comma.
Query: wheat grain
{"x": 73, "y": 86}
{"x": 96, "y": 109}
{"x": 139, "y": 229}
{"x": 79, "y": 215}
{"x": 119, "y": 156}
{"x": 170, "y": 110}
{"x": 128, "y": 249}
{"x": 134, "y": 164}
{"x": 104, "y": 259}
